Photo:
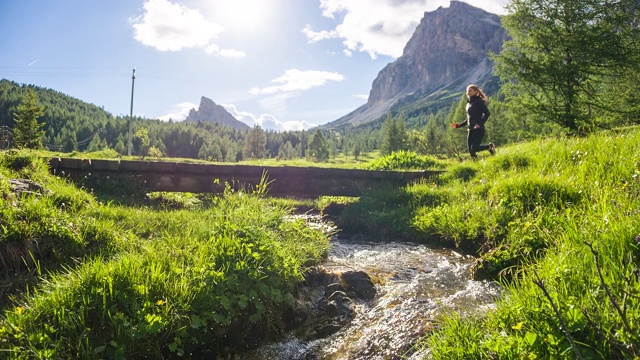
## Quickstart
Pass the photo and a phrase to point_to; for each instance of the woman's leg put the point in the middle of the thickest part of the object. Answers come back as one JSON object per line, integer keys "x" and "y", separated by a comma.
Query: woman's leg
{"x": 474, "y": 138}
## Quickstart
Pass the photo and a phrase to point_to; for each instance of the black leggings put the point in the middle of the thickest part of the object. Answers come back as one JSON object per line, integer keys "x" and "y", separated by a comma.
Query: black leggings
{"x": 474, "y": 138}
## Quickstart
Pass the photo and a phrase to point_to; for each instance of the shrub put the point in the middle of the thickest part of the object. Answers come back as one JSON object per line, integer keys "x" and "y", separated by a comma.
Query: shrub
{"x": 404, "y": 160}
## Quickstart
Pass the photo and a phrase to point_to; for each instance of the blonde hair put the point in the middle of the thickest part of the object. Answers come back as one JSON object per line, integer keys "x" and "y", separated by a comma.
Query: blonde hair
{"x": 482, "y": 95}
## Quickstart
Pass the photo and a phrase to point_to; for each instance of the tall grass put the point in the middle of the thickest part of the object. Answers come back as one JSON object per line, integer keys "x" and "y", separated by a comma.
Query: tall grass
{"x": 558, "y": 222}
{"x": 155, "y": 283}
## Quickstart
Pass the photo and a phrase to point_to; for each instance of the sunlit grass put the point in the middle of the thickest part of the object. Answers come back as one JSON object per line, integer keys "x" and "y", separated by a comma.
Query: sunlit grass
{"x": 133, "y": 281}
{"x": 555, "y": 221}
{"x": 340, "y": 160}
{"x": 534, "y": 212}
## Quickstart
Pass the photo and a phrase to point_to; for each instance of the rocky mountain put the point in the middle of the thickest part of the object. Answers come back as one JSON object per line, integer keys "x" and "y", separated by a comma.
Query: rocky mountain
{"x": 448, "y": 50}
{"x": 210, "y": 111}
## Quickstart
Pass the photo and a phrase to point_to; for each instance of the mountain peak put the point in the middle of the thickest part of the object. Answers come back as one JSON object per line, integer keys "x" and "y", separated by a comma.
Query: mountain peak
{"x": 449, "y": 45}
{"x": 210, "y": 111}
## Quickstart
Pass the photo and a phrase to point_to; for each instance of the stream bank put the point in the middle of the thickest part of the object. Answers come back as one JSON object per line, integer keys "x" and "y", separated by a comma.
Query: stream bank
{"x": 413, "y": 285}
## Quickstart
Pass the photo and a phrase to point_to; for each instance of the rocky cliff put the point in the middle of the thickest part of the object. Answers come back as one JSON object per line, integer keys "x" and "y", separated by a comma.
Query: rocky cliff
{"x": 210, "y": 111}
{"x": 449, "y": 48}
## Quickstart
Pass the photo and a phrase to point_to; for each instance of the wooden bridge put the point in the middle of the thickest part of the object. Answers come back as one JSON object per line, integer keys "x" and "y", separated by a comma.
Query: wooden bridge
{"x": 285, "y": 181}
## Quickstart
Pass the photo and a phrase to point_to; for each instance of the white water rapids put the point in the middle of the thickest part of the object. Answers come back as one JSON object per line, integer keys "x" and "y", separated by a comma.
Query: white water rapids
{"x": 414, "y": 284}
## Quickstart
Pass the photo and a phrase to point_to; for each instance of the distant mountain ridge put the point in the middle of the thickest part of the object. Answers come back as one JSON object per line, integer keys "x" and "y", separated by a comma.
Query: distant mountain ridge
{"x": 448, "y": 50}
{"x": 210, "y": 111}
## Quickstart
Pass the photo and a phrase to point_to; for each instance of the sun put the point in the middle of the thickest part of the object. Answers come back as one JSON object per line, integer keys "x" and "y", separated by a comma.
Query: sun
{"x": 242, "y": 17}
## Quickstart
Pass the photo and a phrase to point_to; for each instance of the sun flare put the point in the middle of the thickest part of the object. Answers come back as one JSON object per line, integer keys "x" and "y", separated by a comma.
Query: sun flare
{"x": 242, "y": 16}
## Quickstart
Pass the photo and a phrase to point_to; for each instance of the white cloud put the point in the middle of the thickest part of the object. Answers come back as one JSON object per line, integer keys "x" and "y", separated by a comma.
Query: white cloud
{"x": 244, "y": 116}
{"x": 266, "y": 121}
{"x": 362, "y": 96}
{"x": 381, "y": 27}
{"x": 314, "y": 36}
{"x": 297, "y": 80}
{"x": 179, "y": 112}
{"x": 166, "y": 26}
{"x": 293, "y": 81}
{"x": 270, "y": 122}
{"x": 232, "y": 53}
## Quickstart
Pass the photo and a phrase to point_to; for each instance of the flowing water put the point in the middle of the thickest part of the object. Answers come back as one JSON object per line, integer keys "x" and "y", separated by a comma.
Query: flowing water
{"x": 414, "y": 284}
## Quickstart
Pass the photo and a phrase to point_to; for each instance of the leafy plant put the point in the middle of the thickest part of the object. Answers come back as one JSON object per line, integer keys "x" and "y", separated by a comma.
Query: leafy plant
{"x": 404, "y": 160}
{"x": 139, "y": 282}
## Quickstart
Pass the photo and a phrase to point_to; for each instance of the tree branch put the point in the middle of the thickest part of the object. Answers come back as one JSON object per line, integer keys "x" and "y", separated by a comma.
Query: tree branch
{"x": 563, "y": 326}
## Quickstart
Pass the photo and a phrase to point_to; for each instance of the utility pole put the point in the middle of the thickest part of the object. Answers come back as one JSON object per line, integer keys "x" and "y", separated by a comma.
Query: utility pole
{"x": 133, "y": 79}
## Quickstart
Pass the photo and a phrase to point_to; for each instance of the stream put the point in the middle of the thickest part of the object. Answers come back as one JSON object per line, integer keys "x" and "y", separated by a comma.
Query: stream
{"x": 414, "y": 285}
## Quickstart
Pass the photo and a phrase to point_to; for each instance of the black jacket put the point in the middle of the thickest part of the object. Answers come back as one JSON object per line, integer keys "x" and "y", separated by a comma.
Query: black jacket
{"x": 477, "y": 112}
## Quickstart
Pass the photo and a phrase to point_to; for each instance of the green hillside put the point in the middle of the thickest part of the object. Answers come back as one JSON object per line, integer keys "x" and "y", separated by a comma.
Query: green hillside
{"x": 69, "y": 122}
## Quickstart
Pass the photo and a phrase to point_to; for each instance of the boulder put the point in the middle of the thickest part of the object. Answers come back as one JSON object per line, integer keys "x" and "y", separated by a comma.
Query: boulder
{"x": 358, "y": 284}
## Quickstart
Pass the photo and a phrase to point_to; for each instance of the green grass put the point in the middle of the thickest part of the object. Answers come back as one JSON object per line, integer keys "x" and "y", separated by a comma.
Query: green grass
{"x": 339, "y": 161}
{"x": 533, "y": 212}
{"x": 532, "y": 215}
{"x": 556, "y": 221}
{"x": 113, "y": 281}
{"x": 405, "y": 160}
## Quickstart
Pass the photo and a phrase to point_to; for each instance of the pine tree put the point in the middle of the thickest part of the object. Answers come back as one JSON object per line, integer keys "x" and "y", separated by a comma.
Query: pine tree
{"x": 27, "y": 132}
{"x": 563, "y": 52}
{"x": 120, "y": 146}
{"x": 255, "y": 143}
{"x": 394, "y": 134}
{"x": 318, "y": 147}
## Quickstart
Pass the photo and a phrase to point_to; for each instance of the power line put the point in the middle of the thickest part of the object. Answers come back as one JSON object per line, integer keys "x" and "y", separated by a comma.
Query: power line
{"x": 57, "y": 147}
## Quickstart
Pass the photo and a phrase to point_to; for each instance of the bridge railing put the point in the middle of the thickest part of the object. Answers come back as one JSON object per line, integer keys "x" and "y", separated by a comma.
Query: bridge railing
{"x": 306, "y": 182}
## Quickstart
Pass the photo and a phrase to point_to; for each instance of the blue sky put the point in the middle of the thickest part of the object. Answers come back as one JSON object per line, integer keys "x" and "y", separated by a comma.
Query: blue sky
{"x": 283, "y": 64}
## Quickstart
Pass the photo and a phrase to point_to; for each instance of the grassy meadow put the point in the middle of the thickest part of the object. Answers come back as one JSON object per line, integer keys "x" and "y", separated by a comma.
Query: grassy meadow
{"x": 340, "y": 160}
{"x": 558, "y": 221}
{"x": 555, "y": 221}
{"x": 106, "y": 281}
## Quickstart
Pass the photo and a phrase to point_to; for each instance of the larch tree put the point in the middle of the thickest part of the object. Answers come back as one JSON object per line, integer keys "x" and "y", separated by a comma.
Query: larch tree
{"x": 27, "y": 132}
{"x": 255, "y": 143}
{"x": 563, "y": 53}
{"x": 394, "y": 134}
{"x": 318, "y": 147}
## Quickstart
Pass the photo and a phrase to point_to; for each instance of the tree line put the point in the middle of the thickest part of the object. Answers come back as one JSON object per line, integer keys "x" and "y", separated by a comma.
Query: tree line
{"x": 69, "y": 124}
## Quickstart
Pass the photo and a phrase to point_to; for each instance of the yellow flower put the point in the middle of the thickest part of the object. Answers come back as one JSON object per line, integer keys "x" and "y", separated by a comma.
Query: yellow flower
{"x": 518, "y": 326}
{"x": 20, "y": 310}
{"x": 160, "y": 302}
